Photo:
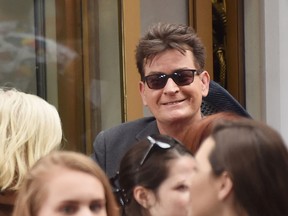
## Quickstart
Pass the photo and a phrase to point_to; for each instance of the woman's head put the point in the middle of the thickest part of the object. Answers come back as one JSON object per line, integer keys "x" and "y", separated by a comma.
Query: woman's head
{"x": 152, "y": 169}
{"x": 245, "y": 163}
{"x": 200, "y": 130}
{"x": 65, "y": 182}
{"x": 29, "y": 128}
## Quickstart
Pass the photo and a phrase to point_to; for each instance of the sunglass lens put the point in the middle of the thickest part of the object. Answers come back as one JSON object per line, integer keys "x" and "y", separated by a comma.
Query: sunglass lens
{"x": 157, "y": 81}
{"x": 183, "y": 78}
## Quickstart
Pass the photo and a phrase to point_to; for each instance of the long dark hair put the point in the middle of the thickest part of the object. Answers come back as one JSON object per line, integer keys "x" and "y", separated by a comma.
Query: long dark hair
{"x": 147, "y": 167}
{"x": 256, "y": 158}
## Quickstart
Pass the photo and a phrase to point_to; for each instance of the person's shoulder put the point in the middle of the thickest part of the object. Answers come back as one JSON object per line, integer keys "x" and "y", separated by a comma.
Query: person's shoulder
{"x": 128, "y": 131}
{"x": 140, "y": 122}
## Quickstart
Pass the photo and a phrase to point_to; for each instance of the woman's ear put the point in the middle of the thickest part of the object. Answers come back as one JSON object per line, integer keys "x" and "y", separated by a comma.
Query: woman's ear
{"x": 225, "y": 186}
{"x": 143, "y": 196}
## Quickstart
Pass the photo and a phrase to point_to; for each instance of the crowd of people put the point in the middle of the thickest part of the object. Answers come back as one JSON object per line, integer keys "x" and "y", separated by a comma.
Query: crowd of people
{"x": 177, "y": 162}
{"x": 170, "y": 60}
{"x": 240, "y": 168}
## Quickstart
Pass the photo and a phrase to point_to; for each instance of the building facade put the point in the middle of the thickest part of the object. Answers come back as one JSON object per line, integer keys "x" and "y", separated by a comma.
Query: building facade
{"x": 79, "y": 56}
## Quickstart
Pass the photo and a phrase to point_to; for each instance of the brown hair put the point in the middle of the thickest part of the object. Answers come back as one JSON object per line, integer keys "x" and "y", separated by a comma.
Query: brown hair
{"x": 256, "y": 158}
{"x": 200, "y": 130}
{"x": 161, "y": 37}
{"x": 152, "y": 173}
{"x": 33, "y": 192}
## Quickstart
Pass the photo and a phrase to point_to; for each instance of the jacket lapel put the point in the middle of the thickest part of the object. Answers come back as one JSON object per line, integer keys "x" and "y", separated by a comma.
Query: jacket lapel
{"x": 151, "y": 128}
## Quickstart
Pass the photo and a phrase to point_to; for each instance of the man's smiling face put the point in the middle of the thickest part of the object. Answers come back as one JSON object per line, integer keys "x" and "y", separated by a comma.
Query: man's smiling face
{"x": 174, "y": 103}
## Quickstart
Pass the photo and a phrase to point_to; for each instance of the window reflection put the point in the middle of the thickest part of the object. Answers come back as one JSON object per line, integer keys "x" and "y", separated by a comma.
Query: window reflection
{"x": 67, "y": 52}
{"x": 17, "y": 53}
{"x": 20, "y": 53}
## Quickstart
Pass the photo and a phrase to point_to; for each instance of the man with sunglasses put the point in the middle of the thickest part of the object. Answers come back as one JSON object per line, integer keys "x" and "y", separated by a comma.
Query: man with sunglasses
{"x": 170, "y": 59}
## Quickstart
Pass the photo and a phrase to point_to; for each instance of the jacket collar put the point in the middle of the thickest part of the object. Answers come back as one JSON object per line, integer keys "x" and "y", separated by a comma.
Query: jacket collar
{"x": 151, "y": 128}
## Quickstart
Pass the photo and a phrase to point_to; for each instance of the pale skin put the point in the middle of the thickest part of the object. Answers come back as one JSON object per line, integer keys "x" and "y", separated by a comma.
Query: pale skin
{"x": 213, "y": 194}
{"x": 204, "y": 187}
{"x": 173, "y": 195}
{"x": 73, "y": 193}
{"x": 174, "y": 107}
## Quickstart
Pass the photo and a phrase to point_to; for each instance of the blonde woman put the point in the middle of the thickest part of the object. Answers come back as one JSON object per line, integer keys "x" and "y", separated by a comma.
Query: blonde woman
{"x": 29, "y": 129}
{"x": 66, "y": 183}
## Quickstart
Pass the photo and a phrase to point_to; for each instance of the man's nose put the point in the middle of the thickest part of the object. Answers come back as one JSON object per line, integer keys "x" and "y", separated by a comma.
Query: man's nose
{"x": 171, "y": 87}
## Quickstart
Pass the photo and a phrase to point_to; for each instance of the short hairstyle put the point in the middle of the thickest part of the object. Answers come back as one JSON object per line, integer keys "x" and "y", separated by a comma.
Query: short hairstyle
{"x": 164, "y": 36}
{"x": 151, "y": 174}
{"x": 30, "y": 127}
{"x": 256, "y": 158}
{"x": 33, "y": 192}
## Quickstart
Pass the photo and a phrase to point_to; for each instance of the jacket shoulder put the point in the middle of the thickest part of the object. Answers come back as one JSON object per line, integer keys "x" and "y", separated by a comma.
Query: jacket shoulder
{"x": 132, "y": 125}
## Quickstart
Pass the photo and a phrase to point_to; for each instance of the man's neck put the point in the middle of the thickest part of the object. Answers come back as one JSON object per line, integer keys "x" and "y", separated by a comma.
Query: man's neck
{"x": 176, "y": 129}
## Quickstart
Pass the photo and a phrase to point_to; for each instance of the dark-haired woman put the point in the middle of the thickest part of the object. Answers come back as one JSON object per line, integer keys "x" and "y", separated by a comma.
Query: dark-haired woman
{"x": 240, "y": 169}
{"x": 155, "y": 177}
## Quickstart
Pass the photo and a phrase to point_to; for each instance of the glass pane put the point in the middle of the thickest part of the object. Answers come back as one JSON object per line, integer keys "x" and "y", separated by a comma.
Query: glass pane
{"x": 110, "y": 69}
{"x": 17, "y": 45}
{"x": 67, "y": 52}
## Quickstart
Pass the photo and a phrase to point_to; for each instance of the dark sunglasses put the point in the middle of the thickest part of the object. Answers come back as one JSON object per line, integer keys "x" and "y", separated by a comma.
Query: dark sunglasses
{"x": 157, "y": 142}
{"x": 180, "y": 77}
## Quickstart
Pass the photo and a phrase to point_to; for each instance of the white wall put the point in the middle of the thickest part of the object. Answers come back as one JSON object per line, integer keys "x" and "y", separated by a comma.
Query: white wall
{"x": 266, "y": 55}
{"x": 275, "y": 59}
{"x": 283, "y": 40}
{"x": 253, "y": 67}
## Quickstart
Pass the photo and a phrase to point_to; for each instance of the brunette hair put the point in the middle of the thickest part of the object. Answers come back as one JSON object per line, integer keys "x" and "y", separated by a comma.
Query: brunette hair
{"x": 33, "y": 192}
{"x": 164, "y": 36}
{"x": 149, "y": 174}
{"x": 200, "y": 130}
{"x": 256, "y": 158}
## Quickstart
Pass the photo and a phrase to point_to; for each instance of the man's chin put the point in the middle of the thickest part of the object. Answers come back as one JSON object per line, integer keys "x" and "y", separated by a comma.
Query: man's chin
{"x": 173, "y": 119}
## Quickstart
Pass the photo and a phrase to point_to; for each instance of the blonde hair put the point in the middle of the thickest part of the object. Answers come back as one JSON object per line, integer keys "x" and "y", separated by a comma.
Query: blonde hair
{"x": 33, "y": 192}
{"x": 30, "y": 128}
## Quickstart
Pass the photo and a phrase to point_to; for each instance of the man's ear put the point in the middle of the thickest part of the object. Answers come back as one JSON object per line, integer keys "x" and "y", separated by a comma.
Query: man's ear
{"x": 143, "y": 196}
{"x": 142, "y": 92}
{"x": 225, "y": 186}
{"x": 205, "y": 80}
